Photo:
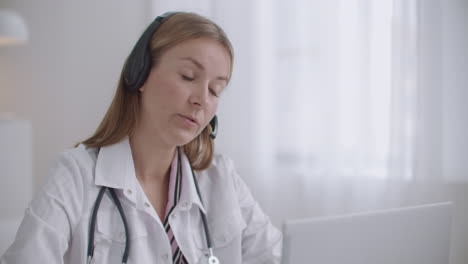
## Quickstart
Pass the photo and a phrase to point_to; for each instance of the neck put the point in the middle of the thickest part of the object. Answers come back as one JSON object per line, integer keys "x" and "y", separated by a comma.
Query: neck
{"x": 152, "y": 159}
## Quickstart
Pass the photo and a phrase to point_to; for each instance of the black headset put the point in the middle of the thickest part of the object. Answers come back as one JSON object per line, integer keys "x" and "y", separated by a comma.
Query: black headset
{"x": 139, "y": 63}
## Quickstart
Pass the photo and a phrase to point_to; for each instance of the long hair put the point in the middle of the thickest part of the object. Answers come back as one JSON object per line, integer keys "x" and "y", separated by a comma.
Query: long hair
{"x": 121, "y": 117}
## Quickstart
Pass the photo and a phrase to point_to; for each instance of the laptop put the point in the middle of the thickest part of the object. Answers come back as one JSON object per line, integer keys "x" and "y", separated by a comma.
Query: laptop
{"x": 409, "y": 235}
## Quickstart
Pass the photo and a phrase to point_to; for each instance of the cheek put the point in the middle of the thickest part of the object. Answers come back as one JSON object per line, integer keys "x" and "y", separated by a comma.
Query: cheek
{"x": 212, "y": 108}
{"x": 165, "y": 93}
{"x": 172, "y": 89}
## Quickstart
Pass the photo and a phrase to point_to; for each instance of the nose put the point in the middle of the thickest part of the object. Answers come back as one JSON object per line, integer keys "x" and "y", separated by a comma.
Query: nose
{"x": 199, "y": 96}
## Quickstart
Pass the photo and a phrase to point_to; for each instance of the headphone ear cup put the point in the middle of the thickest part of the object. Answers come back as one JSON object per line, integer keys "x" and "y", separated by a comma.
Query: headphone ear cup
{"x": 139, "y": 64}
{"x": 137, "y": 69}
{"x": 214, "y": 127}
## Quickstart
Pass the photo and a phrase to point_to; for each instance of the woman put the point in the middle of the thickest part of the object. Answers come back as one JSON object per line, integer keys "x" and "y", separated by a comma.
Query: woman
{"x": 146, "y": 187}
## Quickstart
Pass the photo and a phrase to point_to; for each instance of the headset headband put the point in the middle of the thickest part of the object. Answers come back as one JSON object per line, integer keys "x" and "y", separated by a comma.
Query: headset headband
{"x": 139, "y": 62}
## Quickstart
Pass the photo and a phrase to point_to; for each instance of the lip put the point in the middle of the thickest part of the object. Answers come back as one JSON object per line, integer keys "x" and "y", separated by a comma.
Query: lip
{"x": 191, "y": 118}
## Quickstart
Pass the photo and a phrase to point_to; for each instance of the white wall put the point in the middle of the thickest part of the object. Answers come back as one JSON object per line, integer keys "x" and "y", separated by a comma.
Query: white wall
{"x": 63, "y": 80}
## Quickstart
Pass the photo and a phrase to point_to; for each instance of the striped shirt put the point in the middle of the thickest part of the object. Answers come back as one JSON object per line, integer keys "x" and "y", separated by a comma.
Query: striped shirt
{"x": 175, "y": 187}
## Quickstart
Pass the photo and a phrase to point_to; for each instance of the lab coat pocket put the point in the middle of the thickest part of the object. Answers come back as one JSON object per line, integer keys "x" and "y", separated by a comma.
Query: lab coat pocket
{"x": 110, "y": 235}
{"x": 111, "y": 226}
{"x": 226, "y": 236}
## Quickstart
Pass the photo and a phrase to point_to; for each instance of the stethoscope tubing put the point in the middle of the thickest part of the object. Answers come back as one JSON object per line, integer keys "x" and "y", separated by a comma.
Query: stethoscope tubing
{"x": 203, "y": 215}
{"x": 92, "y": 225}
{"x": 92, "y": 228}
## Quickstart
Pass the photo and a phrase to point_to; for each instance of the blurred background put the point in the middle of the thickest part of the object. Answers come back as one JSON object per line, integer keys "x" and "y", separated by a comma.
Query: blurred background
{"x": 335, "y": 106}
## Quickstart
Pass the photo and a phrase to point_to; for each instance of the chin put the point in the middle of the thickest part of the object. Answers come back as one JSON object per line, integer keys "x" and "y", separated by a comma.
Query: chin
{"x": 184, "y": 138}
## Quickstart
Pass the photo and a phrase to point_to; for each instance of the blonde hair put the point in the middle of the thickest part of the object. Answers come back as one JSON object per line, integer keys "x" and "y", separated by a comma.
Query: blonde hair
{"x": 121, "y": 117}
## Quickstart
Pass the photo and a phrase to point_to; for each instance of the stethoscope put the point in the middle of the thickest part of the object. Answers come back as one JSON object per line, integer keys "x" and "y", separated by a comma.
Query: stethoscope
{"x": 212, "y": 259}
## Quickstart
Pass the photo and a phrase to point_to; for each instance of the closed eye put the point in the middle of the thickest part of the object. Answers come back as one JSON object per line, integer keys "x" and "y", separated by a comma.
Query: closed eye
{"x": 213, "y": 92}
{"x": 187, "y": 78}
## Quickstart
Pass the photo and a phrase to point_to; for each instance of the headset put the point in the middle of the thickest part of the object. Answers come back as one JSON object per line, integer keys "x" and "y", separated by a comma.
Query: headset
{"x": 139, "y": 63}
{"x": 135, "y": 73}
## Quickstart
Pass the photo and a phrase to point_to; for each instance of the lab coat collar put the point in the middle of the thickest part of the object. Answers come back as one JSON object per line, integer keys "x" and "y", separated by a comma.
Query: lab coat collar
{"x": 115, "y": 169}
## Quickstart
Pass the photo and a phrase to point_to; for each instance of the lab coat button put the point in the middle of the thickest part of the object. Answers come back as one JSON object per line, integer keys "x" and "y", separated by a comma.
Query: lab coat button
{"x": 129, "y": 192}
{"x": 147, "y": 205}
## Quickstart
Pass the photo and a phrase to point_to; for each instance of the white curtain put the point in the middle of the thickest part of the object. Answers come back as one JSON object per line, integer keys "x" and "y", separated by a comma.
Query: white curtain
{"x": 352, "y": 119}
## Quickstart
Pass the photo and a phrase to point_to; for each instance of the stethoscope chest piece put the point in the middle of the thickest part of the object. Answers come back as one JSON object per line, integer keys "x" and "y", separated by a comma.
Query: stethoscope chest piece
{"x": 213, "y": 260}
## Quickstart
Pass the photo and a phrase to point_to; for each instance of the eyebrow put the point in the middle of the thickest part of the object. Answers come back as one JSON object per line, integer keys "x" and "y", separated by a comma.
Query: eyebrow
{"x": 200, "y": 66}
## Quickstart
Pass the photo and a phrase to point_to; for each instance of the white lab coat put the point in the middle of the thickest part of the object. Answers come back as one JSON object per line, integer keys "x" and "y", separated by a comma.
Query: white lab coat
{"x": 55, "y": 225}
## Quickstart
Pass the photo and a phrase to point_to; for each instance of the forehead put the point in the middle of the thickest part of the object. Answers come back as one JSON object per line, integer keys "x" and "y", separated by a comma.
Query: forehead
{"x": 210, "y": 53}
